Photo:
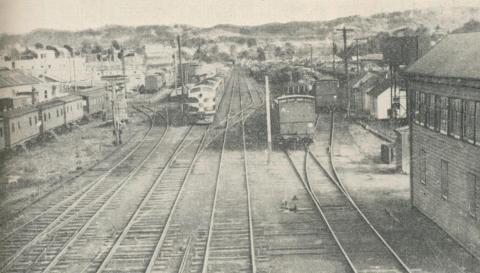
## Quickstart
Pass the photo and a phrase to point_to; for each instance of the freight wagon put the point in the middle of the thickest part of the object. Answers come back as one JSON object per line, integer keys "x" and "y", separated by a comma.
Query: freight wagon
{"x": 326, "y": 94}
{"x": 295, "y": 118}
{"x": 153, "y": 83}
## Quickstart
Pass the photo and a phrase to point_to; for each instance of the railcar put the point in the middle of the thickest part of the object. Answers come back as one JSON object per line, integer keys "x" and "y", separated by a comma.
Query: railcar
{"x": 294, "y": 119}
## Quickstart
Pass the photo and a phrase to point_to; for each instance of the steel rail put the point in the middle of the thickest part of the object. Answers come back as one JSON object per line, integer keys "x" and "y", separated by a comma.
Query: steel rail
{"x": 88, "y": 188}
{"x": 342, "y": 187}
{"x": 146, "y": 198}
{"x": 9, "y": 234}
{"x": 97, "y": 212}
{"x": 217, "y": 180}
{"x": 245, "y": 166}
{"x": 186, "y": 254}
{"x": 312, "y": 195}
{"x": 166, "y": 227}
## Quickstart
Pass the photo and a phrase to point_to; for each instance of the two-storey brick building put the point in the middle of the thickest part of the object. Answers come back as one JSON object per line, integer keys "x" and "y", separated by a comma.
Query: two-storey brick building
{"x": 444, "y": 95}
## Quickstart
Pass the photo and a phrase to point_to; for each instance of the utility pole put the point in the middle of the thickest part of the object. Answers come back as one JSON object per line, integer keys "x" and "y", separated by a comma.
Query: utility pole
{"x": 358, "y": 61}
{"x": 269, "y": 128}
{"x": 334, "y": 53}
{"x": 74, "y": 76}
{"x": 311, "y": 57}
{"x": 345, "y": 59}
{"x": 114, "y": 119}
{"x": 175, "y": 72}
{"x": 180, "y": 64}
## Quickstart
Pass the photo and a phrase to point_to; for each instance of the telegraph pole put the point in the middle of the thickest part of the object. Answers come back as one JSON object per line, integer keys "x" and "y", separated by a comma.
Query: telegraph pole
{"x": 311, "y": 57}
{"x": 334, "y": 52}
{"x": 358, "y": 61}
{"x": 180, "y": 64}
{"x": 345, "y": 59}
{"x": 175, "y": 72}
{"x": 269, "y": 128}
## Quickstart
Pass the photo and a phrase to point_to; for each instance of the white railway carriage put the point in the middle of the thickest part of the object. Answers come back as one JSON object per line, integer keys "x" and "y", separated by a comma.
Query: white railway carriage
{"x": 201, "y": 103}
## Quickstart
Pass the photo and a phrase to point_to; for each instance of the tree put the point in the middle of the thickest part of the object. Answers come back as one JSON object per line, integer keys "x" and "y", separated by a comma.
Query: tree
{"x": 289, "y": 50}
{"x": 278, "y": 52}
{"x": 38, "y": 45}
{"x": 243, "y": 54}
{"x": 70, "y": 49}
{"x": 97, "y": 49}
{"x": 116, "y": 45}
{"x": 49, "y": 47}
{"x": 214, "y": 50}
{"x": 233, "y": 50}
{"x": 251, "y": 42}
{"x": 260, "y": 54}
{"x": 86, "y": 46}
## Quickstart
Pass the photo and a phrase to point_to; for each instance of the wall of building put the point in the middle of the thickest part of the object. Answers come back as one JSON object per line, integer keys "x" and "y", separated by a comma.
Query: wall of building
{"x": 451, "y": 213}
{"x": 2, "y": 135}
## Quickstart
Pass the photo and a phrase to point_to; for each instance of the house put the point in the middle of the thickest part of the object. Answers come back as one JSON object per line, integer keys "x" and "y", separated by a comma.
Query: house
{"x": 380, "y": 100}
{"x": 14, "y": 85}
{"x": 360, "y": 87}
{"x": 56, "y": 62}
{"x": 444, "y": 118}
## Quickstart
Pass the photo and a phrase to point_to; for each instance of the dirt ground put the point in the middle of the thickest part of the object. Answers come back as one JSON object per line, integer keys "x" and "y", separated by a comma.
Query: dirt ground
{"x": 46, "y": 165}
{"x": 385, "y": 198}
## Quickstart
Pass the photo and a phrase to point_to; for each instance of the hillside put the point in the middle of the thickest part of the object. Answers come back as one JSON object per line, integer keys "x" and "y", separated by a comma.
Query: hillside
{"x": 437, "y": 19}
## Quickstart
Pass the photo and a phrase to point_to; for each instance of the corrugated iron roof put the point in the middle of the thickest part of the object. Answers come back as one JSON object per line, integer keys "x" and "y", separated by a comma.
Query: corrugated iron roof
{"x": 456, "y": 56}
{"x": 10, "y": 78}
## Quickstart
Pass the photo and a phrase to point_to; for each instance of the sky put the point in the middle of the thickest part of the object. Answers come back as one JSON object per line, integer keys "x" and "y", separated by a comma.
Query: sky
{"x": 21, "y": 16}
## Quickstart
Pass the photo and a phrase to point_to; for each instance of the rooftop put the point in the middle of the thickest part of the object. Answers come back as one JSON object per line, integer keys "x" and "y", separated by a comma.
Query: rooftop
{"x": 456, "y": 56}
{"x": 10, "y": 78}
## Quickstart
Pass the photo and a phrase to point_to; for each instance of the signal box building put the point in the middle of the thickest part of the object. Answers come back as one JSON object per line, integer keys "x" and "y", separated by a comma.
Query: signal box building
{"x": 444, "y": 95}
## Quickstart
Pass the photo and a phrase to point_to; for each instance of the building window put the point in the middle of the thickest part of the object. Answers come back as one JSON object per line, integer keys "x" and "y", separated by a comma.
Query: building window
{"x": 477, "y": 123}
{"x": 444, "y": 178}
{"x": 472, "y": 194}
{"x": 30, "y": 120}
{"x": 18, "y": 125}
{"x": 438, "y": 111}
{"x": 455, "y": 118}
{"x": 469, "y": 121}
{"x": 45, "y": 94}
{"x": 54, "y": 91}
{"x": 443, "y": 115}
{"x": 1, "y": 132}
{"x": 422, "y": 158}
{"x": 430, "y": 111}
{"x": 44, "y": 117}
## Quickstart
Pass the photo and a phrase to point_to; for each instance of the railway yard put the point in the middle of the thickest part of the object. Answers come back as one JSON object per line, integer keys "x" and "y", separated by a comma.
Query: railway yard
{"x": 210, "y": 198}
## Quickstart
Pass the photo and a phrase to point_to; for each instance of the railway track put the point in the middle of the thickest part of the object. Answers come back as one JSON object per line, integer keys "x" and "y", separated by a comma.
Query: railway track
{"x": 135, "y": 245}
{"x": 229, "y": 246}
{"x": 364, "y": 248}
{"x": 38, "y": 207}
{"x": 26, "y": 245}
